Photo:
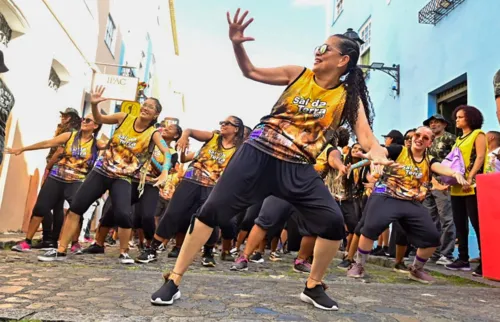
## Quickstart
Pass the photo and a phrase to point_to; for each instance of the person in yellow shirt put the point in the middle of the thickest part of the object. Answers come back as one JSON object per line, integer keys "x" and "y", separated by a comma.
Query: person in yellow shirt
{"x": 473, "y": 146}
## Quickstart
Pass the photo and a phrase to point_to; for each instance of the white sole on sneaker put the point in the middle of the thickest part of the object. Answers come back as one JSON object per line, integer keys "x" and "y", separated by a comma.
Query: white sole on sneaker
{"x": 298, "y": 271}
{"x": 260, "y": 261}
{"x": 307, "y": 299}
{"x": 51, "y": 259}
{"x": 413, "y": 278}
{"x": 238, "y": 270}
{"x": 158, "y": 301}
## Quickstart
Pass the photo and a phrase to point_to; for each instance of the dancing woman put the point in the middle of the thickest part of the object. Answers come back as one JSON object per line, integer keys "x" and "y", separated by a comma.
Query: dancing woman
{"x": 126, "y": 153}
{"x": 278, "y": 157}
{"x": 66, "y": 176}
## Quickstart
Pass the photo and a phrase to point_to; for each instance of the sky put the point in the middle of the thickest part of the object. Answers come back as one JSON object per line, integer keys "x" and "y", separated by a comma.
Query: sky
{"x": 285, "y": 33}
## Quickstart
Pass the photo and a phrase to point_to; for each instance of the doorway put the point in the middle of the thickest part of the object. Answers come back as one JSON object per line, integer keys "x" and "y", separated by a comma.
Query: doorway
{"x": 448, "y": 100}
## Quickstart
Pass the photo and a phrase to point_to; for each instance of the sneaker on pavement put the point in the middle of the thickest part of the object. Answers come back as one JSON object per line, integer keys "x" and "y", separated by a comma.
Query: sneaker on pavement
{"x": 318, "y": 297}
{"x": 174, "y": 253}
{"x": 444, "y": 261}
{"x": 167, "y": 294}
{"x": 356, "y": 271}
{"x": 94, "y": 249}
{"x": 419, "y": 275}
{"x": 148, "y": 255}
{"x": 52, "y": 256}
{"x": 241, "y": 264}
{"x": 125, "y": 259}
{"x": 257, "y": 258}
{"x": 375, "y": 250}
{"x": 22, "y": 246}
{"x": 161, "y": 248}
{"x": 478, "y": 272}
{"x": 208, "y": 260}
{"x": 110, "y": 241}
{"x": 44, "y": 245}
{"x": 301, "y": 266}
{"x": 76, "y": 249}
{"x": 458, "y": 265}
{"x": 345, "y": 264}
{"x": 401, "y": 268}
{"x": 88, "y": 240}
{"x": 275, "y": 257}
{"x": 234, "y": 251}
{"x": 384, "y": 251}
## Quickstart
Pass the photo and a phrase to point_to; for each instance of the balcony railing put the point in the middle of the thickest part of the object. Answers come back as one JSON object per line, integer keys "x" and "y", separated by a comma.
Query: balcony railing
{"x": 436, "y": 10}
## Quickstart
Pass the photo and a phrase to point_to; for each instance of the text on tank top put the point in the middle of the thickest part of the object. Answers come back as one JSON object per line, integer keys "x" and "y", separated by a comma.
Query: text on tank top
{"x": 209, "y": 163}
{"x": 127, "y": 150}
{"x": 74, "y": 164}
{"x": 301, "y": 122}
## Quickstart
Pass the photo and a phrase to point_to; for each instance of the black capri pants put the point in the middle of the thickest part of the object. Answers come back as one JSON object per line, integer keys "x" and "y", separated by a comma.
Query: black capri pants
{"x": 145, "y": 209}
{"x": 251, "y": 214}
{"x": 253, "y": 175}
{"x": 187, "y": 198}
{"x": 52, "y": 194}
{"x": 94, "y": 186}
{"x": 161, "y": 207}
{"x": 413, "y": 217}
{"x": 351, "y": 209}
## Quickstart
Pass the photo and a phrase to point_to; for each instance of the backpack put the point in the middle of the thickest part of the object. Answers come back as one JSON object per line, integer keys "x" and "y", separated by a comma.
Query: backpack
{"x": 455, "y": 161}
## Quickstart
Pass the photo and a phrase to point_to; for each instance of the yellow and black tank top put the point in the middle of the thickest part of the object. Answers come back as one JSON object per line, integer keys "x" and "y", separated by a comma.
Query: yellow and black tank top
{"x": 209, "y": 163}
{"x": 74, "y": 164}
{"x": 167, "y": 191}
{"x": 321, "y": 166}
{"x": 408, "y": 179}
{"x": 301, "y": 122}
{"x": 127, "y": 151}
{"x": 467, "y": 147}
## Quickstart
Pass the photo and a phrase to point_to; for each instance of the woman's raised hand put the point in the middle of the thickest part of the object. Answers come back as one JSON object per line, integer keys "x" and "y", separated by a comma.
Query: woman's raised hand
{"x": 237, "y": 27}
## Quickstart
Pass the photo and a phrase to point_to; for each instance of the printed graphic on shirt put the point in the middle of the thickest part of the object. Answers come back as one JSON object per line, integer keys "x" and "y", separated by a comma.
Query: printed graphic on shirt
{"x": 493, "y": 161}
{"x": 303, "y": 119}
{"x": 407, "y": 179}
{"x": 321, "y": 166}
{"x": 127, "y": 150}
{"x": 74, "y": 164}
{"x": 209, "y": 163}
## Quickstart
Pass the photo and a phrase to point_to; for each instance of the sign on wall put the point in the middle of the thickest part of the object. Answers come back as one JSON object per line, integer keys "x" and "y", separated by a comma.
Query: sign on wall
{"x": 118, "y": 88}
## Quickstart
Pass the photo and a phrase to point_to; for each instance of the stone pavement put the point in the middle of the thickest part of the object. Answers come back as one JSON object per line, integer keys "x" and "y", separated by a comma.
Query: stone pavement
{"x": 98, "y": 288}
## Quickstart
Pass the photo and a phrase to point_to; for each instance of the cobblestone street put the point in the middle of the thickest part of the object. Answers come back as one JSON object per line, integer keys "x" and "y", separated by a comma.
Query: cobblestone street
{"x": 98, "y": 288}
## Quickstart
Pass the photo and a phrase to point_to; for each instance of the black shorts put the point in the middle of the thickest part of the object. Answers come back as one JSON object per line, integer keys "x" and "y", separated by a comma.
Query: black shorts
{"x": 188, "y": 197}
{"x": 161, "y": 207}
{"x": 251, "y": 214}
{"x": 253, "y": 175}
{"x": 351, "y": 209}
{"x": 413, "y": 217}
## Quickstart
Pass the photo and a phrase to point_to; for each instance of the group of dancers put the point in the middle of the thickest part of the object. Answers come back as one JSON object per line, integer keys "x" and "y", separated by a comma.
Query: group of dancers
{"x": 288, "y": 170}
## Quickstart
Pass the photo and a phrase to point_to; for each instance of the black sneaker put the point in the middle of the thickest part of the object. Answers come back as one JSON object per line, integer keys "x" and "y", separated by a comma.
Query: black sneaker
{"x": 148, "y": 255}
{"x": 401, "y": 268}
{"x": 241, "y": 264}
{"x": 110, "y": 241}
{"x": 375, "y": 250}
{"x": 345, "y": 264}
{"x": 44, "y": 245}
{"x": 458, "y": 265}
{"x": 94, "y": 249}
{"x": 174, "y": 253}
{"x": 52, "y": 256}
{"x": 167, "y": 294}
{"x": 318, "y": 297}
{"x": 125, "y": 259}
{"x": 257, "y": 258}
{"x": 384, "y": 251}
{"x": 208, "y": 260}
{"x": 478, "y": 272}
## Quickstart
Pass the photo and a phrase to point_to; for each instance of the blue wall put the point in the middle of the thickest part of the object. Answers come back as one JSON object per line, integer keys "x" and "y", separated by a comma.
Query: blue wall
{"x": 464, "y": 42}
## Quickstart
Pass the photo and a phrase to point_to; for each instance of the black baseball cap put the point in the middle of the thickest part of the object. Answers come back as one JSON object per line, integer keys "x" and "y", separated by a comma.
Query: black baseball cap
{"x": 69, "y": 110}
{"x": 396, "y": 136}
{"x": 438, "y": 117}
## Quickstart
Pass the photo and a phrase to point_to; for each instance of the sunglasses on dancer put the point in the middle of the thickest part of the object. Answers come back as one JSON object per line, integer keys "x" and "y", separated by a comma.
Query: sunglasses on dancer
{"x": 320, "y": 50}
{"x": 87, "y": 120}
{"x": 422, "y": 137}
{"x": 226, "y": 123}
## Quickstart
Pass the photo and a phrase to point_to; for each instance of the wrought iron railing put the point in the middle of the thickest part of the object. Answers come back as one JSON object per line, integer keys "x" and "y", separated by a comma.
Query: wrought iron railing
{"x": 436, "y": 10}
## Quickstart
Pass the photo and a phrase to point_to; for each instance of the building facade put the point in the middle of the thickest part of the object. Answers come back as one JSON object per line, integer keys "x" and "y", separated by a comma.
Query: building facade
{"x": 445, "y": 50}
{"x": 447, "y": 55}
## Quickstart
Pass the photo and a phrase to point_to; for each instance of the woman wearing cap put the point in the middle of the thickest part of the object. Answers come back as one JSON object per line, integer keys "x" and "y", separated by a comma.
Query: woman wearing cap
{"x": 279, "y": 155}
{"x": 127, "y": 151}
{"x": 66, "y": 176}
{"x": 473, "y": 147}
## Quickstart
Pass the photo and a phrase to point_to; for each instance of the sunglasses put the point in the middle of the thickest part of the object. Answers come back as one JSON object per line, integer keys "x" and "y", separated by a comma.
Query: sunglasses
{"x": 87, "y": 120}
{"x": 422, "y": 137}
{"x": 226, "y": 123}
{"x": 320, "y": 50}
{"x": 407, "y": 138}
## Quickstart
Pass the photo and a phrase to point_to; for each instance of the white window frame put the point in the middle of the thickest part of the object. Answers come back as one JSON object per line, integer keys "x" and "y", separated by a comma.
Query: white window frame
{"x": 110, "y": 42}
{"x": 367, "y": 39}
{"x": 339, "y": 8}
